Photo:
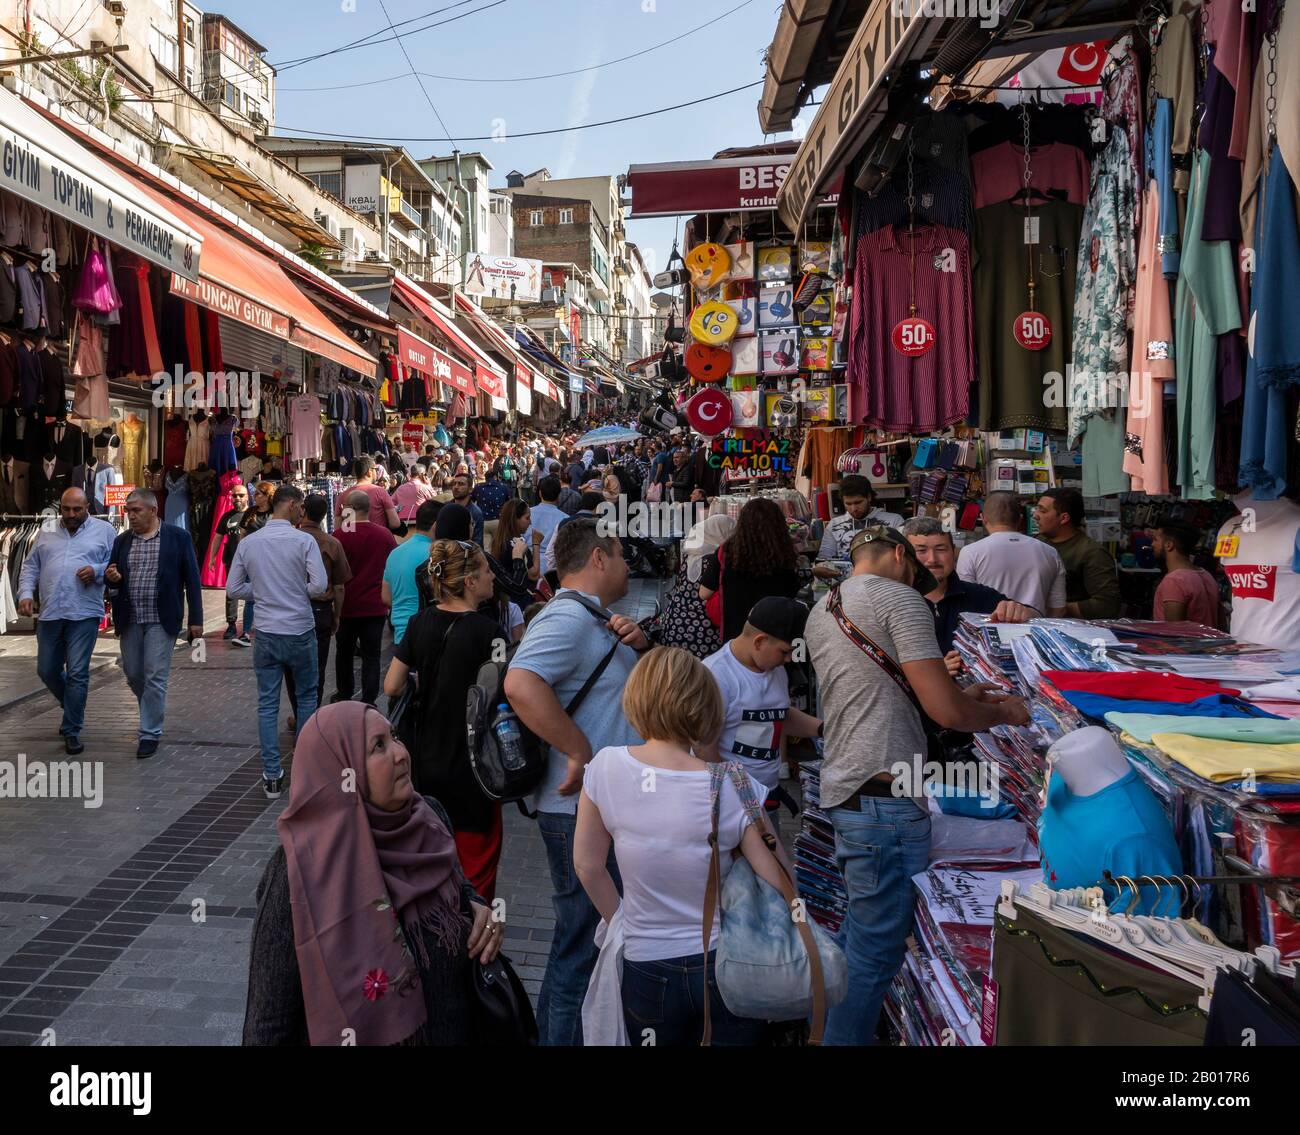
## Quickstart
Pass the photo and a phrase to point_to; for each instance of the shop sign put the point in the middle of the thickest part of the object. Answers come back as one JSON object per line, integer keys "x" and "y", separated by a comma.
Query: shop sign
{"x": 885, "y": 33}
{"x": 758, "y": 453}
{"x": 489, "y": 381}
{"x": 723, "y": 185}
{"x": 429, "y": 360}
{"x": 115, "y": 495}
{"x": 1033, "y": 330}
{"x": 494, "y": 276}
{"x": 361, "y": 188}
{"x": 42, "y": 164}
{"x": 913, "y": 336}
{"x": 208, "y": 293}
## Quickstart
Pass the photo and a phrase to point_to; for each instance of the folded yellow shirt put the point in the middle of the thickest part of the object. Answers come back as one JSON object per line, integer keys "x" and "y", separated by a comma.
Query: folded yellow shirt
{"x": 1231, "y": 760}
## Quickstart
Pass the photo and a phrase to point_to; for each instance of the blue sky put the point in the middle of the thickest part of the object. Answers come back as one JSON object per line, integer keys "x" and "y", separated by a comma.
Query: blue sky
{"x": 523, "y": 38}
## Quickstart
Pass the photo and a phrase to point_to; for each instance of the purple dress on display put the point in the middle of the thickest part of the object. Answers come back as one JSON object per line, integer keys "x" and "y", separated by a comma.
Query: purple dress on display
{"x": 221, "y": 454}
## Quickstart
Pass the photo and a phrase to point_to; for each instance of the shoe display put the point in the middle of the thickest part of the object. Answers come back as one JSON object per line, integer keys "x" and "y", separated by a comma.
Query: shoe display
{"x": 145, "y": 749}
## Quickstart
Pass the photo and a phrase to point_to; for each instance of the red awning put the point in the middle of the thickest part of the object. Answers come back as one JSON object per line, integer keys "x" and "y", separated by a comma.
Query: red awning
{"x": 427, "y": 308}
{"x": 426, "y": 359}
{"x": 248, "y": 286}
{"x": 489, "y": 381}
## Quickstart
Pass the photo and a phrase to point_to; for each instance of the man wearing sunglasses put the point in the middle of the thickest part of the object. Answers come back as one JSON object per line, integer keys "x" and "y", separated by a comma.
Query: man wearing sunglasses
{"x": 881, "y": 675}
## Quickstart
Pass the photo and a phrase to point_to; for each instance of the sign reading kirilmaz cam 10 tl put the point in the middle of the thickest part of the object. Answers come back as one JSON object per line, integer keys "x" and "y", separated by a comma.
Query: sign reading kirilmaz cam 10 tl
{"x": 493, "y": 276}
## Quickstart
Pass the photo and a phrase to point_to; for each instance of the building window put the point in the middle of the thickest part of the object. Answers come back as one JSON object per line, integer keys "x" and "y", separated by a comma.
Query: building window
{"x": 535, "y": 217}
{"x": 189, "y": 30}
{"x": 566, "y": 216}
{"x": 330, "y": 182}
{"x": 189, "y": 77}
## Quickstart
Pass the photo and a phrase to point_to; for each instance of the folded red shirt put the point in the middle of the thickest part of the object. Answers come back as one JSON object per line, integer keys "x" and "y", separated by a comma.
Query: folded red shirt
{"x": 1138, "y": 684}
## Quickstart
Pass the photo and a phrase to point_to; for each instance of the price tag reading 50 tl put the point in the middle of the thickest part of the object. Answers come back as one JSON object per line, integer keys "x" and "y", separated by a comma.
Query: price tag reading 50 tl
{"x": 1033, "y": 330}
{"x": 913, "y": 336}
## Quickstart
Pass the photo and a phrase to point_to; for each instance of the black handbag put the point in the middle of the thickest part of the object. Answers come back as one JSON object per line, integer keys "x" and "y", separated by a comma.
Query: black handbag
{"x": 500, "y": 1014}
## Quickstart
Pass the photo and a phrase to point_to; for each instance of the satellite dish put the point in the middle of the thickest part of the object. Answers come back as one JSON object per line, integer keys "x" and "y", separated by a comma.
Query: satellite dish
{"x": 662, "y": 300}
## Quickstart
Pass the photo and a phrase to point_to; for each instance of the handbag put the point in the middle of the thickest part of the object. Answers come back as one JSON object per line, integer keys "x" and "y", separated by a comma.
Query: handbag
{"x": 772, "y": 962}
{"x": 500, "y": 1014}
{"x": 654, "y": 492}
{"x": 713, "y": 605}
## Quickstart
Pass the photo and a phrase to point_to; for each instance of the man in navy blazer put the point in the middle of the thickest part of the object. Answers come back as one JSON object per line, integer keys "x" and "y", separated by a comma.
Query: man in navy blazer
{"x": 152, "y": 566}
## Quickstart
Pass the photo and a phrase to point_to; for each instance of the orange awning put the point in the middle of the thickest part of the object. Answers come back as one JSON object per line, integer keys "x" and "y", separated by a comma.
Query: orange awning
{"x": 247, "y": 285}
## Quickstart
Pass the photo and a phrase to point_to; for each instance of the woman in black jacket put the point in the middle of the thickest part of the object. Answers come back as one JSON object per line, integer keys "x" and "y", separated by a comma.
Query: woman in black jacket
{"x": 371, "y": 944}
{"x": 758, "y": 560}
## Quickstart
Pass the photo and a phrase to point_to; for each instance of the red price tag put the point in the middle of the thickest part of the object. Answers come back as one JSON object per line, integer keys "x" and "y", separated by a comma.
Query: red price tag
{"x": 115, "y": 495}
{"x": 1033, "y": 330}
{"x": 913, "y": 336}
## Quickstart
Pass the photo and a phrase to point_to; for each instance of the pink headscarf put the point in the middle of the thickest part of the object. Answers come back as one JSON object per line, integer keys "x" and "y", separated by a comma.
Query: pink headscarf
{"x": 355, "y": 873}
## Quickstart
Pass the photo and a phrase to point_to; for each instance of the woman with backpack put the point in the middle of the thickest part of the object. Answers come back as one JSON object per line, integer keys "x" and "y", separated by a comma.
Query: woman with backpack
{"x": 654, "y": 802}
{"x": 445, "y": 645}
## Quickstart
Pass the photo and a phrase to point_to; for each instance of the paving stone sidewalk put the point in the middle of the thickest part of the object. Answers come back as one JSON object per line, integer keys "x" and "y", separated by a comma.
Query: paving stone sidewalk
{"x": 129, "y": 923}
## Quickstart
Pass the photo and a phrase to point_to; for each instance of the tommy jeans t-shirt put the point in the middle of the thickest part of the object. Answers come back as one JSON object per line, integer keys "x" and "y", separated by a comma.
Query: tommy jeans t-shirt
{"x": 755, "y": 706}
{"x": 1262, "y": 573}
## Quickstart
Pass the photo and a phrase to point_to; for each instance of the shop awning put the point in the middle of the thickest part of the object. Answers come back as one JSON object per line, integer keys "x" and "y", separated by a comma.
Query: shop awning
{"x": 247, "y": 285}
{"x": 45, "y": 164}
{"x": 408, "y": 293}
{"x": 245, "y": 184}
{"x": 422, "y": 356}
{"x": 851, "y": 105}
{"x": 544, "y": 385}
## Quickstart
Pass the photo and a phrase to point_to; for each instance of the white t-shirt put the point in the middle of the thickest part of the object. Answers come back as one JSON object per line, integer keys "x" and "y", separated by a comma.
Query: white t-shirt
{"x": 660, "y": 822}
{"x": 755, "y": 706}
{"x": 1265, "y": 586}
{"x": 1022, "y": 568}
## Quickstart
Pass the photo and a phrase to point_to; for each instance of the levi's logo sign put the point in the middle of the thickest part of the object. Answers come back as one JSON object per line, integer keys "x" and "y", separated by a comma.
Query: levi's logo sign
{"x": 1253, "y": 581}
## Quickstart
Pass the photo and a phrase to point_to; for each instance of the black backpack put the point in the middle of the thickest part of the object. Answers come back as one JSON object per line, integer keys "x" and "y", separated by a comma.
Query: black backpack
{"x": 501, "y": 778}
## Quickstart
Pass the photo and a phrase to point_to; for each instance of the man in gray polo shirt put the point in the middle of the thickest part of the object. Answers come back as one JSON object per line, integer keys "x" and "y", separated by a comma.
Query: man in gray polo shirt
{"x": 872, "y": 707}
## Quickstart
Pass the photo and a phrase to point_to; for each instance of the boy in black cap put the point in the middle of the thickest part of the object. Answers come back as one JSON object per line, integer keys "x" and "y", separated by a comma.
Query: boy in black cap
{"x": 750, "y": 672}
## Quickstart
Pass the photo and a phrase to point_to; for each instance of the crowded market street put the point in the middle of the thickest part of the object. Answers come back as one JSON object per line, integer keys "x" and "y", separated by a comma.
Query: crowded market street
{"x": 650, "y": 524}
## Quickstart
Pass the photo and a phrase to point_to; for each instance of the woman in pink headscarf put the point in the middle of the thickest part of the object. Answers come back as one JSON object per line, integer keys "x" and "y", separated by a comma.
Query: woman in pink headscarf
{"x": 366, "y": 928}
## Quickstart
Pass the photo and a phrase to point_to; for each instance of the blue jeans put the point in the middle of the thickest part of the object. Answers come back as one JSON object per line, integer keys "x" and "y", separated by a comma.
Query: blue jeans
{"x": 147, "y": 659}
{"x": 63, "y": 650}
{"x": 275, "y": 655}
{"x": 573, "y": 948}
{"x": 663, "y": 1005}
{"x": 878, "y": 850}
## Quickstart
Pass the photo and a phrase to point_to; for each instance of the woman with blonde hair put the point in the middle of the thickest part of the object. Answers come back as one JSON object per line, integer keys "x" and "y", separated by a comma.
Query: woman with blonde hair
{"x": 653, "y": 801}
{"x": 444, "y": 646}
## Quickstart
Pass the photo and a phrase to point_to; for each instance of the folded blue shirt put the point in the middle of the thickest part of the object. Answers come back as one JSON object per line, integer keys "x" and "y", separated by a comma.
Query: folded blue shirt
{"x": 1214, "y": 705}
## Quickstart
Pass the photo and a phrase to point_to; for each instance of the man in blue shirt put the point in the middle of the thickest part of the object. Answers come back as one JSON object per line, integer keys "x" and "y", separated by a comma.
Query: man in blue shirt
{"x": 64, "y": 575}
{"x": 547, "y": 515}
{"x": 400, "y": 591}
{"x": 572, "y": 636}
{"x": 490, "y": 496}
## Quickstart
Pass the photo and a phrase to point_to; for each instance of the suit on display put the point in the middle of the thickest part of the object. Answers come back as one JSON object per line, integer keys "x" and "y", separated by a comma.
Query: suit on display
{"x": 49, "y": 480}
{"x": 15, "y": 484}
{"x": 67, "y": 442}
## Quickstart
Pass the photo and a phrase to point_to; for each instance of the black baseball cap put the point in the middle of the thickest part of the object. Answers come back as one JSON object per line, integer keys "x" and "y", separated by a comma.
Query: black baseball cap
{"x": 779, "y": 617}
{"x": 923, "y": 582}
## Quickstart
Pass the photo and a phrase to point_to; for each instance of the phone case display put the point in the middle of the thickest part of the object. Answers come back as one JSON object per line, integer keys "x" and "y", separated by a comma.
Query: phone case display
{"x": 775, "y": 264}
{"x": 815, "y": 256}
{"x": 907, "y": 378}
{"x": 741, "y": 256}
{"x": 745, "y": 309}
{"x": 779, "y": 352}
{"x": 744, "y": 355}
{"x": 746, "y": 408}
{"x": 1012, "y": 377}
{"x": 775, "y": 307}
{"x": 815, "y": 354}
{"x": 780, "y": 409}
{"x": 820, "y": 311}
{"x": 818, "y": 404}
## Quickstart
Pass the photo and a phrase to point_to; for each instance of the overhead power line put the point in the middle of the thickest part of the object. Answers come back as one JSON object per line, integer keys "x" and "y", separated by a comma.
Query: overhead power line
{"x": 523, "y": 134}
{"x": 530, "y": 78}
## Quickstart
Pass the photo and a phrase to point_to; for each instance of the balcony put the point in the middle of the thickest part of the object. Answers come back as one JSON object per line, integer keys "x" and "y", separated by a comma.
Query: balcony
{"x": 406, "y": 214}
{"x": 411, "y": 212}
